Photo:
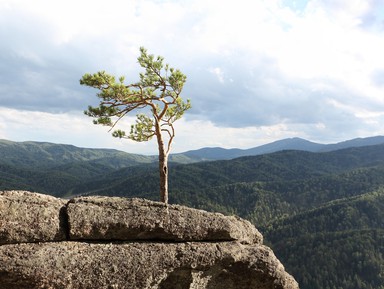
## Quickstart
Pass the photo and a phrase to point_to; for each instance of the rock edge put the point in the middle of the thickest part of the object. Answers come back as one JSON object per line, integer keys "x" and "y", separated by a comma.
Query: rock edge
{"x": 32, "y": 217}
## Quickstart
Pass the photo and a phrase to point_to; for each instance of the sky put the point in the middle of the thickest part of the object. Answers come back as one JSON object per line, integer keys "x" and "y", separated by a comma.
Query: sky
{"x": 257, "y": 70}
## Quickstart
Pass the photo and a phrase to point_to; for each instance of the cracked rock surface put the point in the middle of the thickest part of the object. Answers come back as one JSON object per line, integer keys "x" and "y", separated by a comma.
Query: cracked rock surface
{"x": 102, "y": 242}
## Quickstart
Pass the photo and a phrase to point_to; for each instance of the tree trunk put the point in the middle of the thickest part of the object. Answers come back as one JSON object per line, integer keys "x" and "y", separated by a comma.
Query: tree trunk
{"x": 163, "y": 170}
{"x": 163, "y": 166}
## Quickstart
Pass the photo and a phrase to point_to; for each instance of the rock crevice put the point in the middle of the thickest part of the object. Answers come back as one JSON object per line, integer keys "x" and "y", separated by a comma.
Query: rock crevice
{"x": 103, "y": 242}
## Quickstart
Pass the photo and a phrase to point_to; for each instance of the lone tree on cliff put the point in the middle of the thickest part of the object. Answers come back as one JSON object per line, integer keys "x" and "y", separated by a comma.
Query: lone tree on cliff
{"x": 157, "y": 94}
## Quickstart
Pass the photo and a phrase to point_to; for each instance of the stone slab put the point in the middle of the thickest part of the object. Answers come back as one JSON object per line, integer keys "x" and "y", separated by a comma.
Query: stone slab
{"x": 141, "y": 265}
{"x": 112, "y": 218}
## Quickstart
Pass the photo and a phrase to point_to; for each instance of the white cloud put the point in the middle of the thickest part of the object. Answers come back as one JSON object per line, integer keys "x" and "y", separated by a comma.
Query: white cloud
{"x": 218, "y": 73}
{"x": 194, "y": 134}
{"x": 257, "y": 70}
{"x": 67, "y": 128}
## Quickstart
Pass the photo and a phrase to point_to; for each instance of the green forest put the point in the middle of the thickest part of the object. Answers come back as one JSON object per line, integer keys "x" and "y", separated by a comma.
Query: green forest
{"x": 322, "y": 213}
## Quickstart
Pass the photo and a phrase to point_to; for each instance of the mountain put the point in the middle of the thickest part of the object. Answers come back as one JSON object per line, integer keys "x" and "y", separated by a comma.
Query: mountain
{"x": 40, "y": 166}
{"x": 56, "y": 168}
{"x": 285, "y": 144}
{"x": 357, "y": 142}
{"x": 44, "y": 155}
{"x": 295, "y": 177}
{"x": 217, "y": 153}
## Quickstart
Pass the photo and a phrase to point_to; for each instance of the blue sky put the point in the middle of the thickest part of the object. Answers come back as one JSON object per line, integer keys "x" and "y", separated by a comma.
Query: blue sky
{"x": 258, "y": 70}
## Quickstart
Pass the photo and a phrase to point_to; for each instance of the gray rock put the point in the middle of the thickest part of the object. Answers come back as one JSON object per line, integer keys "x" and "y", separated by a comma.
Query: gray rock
{"x": 145, "y": 265}
{"x": 101, "y": 242}
{"x": 31, "y": 217}
{"x": 106, "y": 218}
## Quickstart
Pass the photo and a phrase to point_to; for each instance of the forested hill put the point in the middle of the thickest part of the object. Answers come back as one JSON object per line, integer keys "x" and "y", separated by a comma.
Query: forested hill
{"x": 45, "y": 155}
{"x": 338, "y": 245}
{"x": 322, "y": 213}
{"x": 98, "y": 171}
{"x": 291, "y": 173}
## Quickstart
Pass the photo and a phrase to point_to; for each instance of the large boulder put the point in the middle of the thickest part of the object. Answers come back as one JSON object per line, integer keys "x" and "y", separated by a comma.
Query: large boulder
{"x": 106, "y": 218}
{"x": 101, "y": 242}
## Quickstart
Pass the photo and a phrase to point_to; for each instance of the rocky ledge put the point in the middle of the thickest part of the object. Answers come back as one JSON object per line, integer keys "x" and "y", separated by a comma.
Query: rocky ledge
{"x": 104, "y": 242}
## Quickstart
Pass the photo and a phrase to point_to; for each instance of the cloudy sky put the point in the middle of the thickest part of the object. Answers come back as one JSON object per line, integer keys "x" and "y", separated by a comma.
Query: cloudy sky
{"x": 258, "y": 70}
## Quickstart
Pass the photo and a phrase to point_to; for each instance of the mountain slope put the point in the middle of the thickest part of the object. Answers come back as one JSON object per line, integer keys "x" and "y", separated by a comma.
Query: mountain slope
{"x": 55, "y": 168}
{"x": 357, "y": 142}
{"x": 289, "y": 167}
{"x": 45, "y": 155}
{"x": 339, "y": 244}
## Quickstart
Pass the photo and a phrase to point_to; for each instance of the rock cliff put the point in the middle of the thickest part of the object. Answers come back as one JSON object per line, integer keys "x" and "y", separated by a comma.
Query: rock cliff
{"x": 101, "y": 242}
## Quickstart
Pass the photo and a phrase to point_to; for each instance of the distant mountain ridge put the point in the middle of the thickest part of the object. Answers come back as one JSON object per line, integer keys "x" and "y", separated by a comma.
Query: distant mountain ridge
{"x": 217, "y": 153}
{"x": 32, "y": 153}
